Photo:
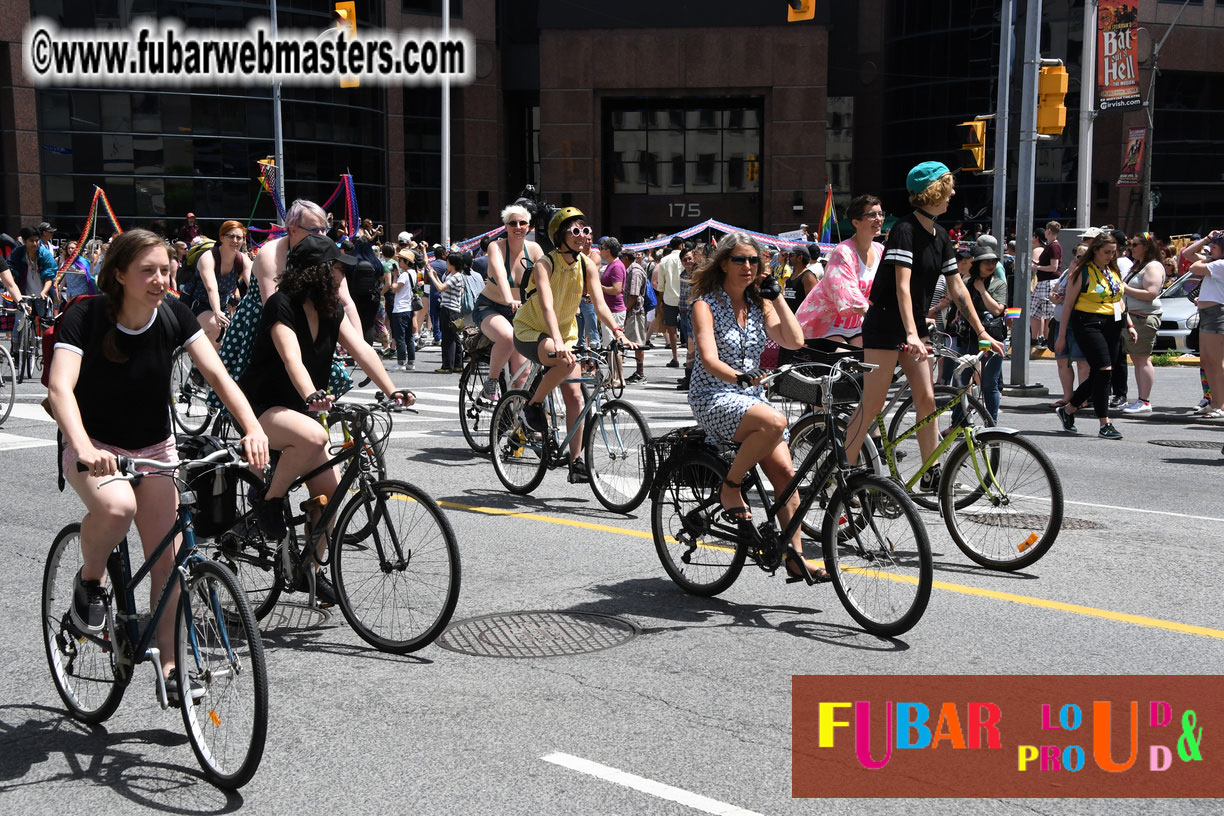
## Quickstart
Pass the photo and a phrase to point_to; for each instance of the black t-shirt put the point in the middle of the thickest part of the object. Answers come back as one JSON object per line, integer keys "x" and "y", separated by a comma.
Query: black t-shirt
{"x": 265, "y": 382}
{"x": 125, "y": 404}
{"x": 1052, "y": 253}
{"x": 927, "y": 256}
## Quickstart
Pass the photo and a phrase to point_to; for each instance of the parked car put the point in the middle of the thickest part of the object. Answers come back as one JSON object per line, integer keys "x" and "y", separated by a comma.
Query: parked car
{"x": 1179, "y": 318}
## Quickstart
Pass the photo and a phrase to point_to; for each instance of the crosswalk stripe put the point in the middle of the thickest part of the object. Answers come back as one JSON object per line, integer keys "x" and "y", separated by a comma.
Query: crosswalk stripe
{"x": 14, "y": 442}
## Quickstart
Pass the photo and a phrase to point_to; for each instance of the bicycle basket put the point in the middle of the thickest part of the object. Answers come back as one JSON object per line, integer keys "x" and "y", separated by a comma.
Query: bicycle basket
{"x": 216, "y": 487}
{"x": 804, "y": 385}
{"x": 675, "y": 442}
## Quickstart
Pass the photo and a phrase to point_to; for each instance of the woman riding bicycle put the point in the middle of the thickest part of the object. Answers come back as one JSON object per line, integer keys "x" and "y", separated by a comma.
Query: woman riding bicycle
{"x": 290, "y": 363}
{"x": 546, "y": 325}
{"x": 495, "y": 308}
{"x": 735, "y": 307}
{"x": 917, "y": 253}
{"x": 218, "y": 274}
{"x": 109, "y": 385}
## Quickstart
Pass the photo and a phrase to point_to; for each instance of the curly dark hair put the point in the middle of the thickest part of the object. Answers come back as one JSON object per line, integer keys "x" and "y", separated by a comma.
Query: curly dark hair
{"x": 314, "y": 283}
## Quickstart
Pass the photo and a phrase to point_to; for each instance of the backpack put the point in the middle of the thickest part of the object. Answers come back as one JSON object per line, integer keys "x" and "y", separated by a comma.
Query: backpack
{"x": 187, "y": 269}
{"x": 467, "y": 300}
{"x": 216, "y": 488}
{"x": 649, "y": 300}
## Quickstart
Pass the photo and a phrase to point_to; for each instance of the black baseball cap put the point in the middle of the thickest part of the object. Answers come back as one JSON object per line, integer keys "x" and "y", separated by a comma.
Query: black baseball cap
{"x": 801, "y": 251}
{"x": 45, "y": 227}
{"x": 315, "y": 250}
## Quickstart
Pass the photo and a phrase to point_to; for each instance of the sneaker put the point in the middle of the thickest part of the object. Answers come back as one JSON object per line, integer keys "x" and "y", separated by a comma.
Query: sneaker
{"x": 442, "y": 371}
{"x": 1204, "y": 405}
{"x": 410, "y": 365}
{"x": 388, "y": 353}
{"x": 488, "y": 393}
{"x": 647, "y": 346}
{"x": 1041, "y": 342}
{"x": 1116, "y": 401}
{"x": 673, "y": 364}
{"x": 929, "y": 482}
{"x": 270, "y": 513}
{"x": 1067, "y": 419}
{"x": 1138, "y": 407}
{"x": 88, "y": 610}
{"x": 325, "y": 593}
{"x": 636, "y": 377}
{"x": 174, "y": 693}
{"x": 1108, "y": 431}
{"x": 534, "y": 419}
{"x": 578, "y": 473}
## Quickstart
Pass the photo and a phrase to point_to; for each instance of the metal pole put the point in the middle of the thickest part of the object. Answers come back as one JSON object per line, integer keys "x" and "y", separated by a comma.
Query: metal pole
{"x": 1145, "y": 217}
{"x": 1007, "y": 37}
{"x": 1087, "y": 111}
{"x": 446, "y": 137}
{"x": 278, "y": 143}
{"x": 1025, "y": 182}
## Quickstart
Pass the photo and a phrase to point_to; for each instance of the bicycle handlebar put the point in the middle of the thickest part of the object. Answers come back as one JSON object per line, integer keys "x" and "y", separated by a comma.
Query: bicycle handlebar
{"x": 230, "y": 455}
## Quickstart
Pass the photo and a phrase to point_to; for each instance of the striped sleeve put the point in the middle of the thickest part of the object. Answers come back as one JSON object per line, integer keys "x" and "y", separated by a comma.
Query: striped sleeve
{"x": 899, "y": 251}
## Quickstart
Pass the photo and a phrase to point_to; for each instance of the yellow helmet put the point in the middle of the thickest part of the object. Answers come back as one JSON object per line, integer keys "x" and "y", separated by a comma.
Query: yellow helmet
{"x": 560, "y": 217}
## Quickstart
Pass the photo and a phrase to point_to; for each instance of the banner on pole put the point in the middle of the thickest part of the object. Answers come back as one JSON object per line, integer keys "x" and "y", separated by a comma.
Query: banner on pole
{"x": 1132, "y": 163}
{"x": 1117, "y": 56}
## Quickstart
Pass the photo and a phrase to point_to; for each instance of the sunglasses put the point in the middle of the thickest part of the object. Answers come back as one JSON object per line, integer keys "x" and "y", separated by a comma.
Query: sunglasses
{"x": 745, "y": 260}
{"x": 580, "y": 232}
{"x": 313, "y": 230}
{"x": 518, "y": 223}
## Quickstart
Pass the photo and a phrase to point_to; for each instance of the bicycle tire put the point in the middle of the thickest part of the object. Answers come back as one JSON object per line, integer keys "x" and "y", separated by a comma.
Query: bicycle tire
{"x": 8, "y": 384}
{"x": 228, "y": 726}
{"x": 615, "y": 364}
{"x": 225, "y": 428}
{"x": 907, "y": 457}
{"x": 809, "y": 430}
{"x": 520, "y": 456}
{"x": 245, "y": 551}
{"x": 1031, "y": 498}
{"x": 474, "y": 417}
{"x": 85, "y": 674}
{"x": 188, "y": 395}
{"x": 884, "y": 584}
{"x": 618, "y": 456}
{"x": 683, "y": 514}
{"x": 421, "y": 587}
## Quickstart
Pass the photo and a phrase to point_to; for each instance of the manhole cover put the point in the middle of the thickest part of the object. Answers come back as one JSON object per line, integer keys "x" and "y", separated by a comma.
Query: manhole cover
{"x": 1197, "y": 444}
{"x": 1028, "y": 521}
{"x": 536, "y": 634}
{"x": 288, "y": 615}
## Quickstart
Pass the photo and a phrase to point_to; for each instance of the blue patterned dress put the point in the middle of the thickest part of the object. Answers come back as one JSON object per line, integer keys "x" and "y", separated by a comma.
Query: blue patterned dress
{"x": 720, "y": 406}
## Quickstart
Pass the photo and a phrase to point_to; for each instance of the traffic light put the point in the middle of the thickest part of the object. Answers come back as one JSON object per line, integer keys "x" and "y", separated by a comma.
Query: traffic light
{"x": 801, "y": 10}
{"x": 972, "y": 153}
{"x": 1051, "y": 92}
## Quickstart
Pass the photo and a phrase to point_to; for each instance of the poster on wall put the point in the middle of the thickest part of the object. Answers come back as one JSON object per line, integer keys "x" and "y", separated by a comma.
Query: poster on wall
{"x": 1117, "y": 56}
{"x": 1132, "y": 162}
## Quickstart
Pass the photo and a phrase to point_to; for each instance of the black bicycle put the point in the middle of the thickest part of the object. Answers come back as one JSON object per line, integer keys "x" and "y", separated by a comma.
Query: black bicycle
{"x": 217, "y": 644}
{"x": 393, "y": 556}
{"x": 875, "y": 546}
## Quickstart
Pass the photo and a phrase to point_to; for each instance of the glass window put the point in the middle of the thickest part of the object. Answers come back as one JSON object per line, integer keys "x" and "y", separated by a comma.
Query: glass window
{"x": 86, "y": 111}
{"x": 116, "y": 153}
{"x": 146, "y": 113}
{"x": 178, "y": 157}
{"x": 629, "y": 144}
{"x": 54, "y": 110}
{"x": 205, "y": 114}
{"x": 116, "y": 112}
{"x": 147, "y": 155}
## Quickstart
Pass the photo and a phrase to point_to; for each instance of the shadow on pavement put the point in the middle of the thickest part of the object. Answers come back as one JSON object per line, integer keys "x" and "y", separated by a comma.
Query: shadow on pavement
{"x": 462, "y": 456}
{"x": 33, "y": 735}
{"x": 660, "y": 600}
{"x": 583, "y": 506}
{"x": 969, "y": 568}
{"x": 1205, "y": 460}
{"x": 314, "y": 640}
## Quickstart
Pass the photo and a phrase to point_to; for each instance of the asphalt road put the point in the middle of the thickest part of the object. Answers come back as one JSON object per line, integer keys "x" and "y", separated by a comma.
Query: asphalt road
{"x": 698, "y": 701}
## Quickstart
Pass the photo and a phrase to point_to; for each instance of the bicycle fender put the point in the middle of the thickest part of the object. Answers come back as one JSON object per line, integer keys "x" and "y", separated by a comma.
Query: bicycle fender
{"x": 999, "y": 429}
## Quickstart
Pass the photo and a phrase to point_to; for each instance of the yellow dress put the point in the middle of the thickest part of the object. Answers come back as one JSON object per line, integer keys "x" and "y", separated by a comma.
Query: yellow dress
{"x": 566, "y": 282}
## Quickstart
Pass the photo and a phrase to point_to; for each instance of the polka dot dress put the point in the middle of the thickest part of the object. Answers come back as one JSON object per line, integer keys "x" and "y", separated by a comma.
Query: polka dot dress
{"x": 720, "y": 406}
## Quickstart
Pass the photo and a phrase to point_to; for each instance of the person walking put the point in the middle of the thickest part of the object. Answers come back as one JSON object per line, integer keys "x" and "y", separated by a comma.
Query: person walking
{"x": 1142, "y": 287}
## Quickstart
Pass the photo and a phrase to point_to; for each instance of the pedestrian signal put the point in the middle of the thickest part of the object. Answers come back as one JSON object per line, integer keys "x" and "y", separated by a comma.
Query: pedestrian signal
{"x": 972, "y": 153}
{"x": 1051, "y": 93}
{"x": 801, "y": 10}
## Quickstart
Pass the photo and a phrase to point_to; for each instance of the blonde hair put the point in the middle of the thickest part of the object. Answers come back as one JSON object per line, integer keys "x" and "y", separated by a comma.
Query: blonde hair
{"x": 935, "y": 192}
{"x": 512, "y": 209}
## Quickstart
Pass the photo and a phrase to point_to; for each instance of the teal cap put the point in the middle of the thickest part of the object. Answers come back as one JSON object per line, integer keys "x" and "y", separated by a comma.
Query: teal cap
{"x": 925, "y": 174}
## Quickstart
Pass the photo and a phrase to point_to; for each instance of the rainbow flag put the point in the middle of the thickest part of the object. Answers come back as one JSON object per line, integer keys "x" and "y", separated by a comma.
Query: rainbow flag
{"x": 1012, "y": 313}
{"x": 826, "y": 216}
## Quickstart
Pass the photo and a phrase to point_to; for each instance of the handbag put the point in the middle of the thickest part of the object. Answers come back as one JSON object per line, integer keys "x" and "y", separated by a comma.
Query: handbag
{"x": 416, "y": 305}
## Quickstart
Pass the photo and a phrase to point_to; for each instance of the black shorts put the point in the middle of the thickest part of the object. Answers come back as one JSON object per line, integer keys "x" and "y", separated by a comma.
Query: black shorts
{"x": 887, "y": 332}
{"x": 486, "y": 307}
{"x": 671, "y": 316}
{"x": 530, "y": 350}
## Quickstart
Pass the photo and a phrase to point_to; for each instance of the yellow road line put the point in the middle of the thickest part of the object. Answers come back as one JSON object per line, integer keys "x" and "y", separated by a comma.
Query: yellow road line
{"x": 1042, "y": 603}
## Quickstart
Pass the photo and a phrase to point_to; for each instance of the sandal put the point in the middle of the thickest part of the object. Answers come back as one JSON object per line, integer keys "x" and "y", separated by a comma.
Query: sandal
{"x": 797, "y": 569}
{"x": 736, "y": 515}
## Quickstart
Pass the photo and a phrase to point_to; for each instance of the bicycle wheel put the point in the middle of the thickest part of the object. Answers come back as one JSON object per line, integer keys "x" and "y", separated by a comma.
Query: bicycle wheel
{"x": 220, "y": 649}
{"x": 224, "y": 427}
{"x": 8, "y": 384}
{"x": 474, "y": 417}
{"x": 84, "y": 671}
{"x": 877, "y": 553}
{"x": 618, "y": 456}
{"x": 244, "y": 550}
{"x": 398, "y": 584}
{"x": 692, "y": 542}
{"x": 188, "y": 395}
{"x": 20, "y": 328}
{"x": 907, "y": 455}
{"x": 810, "y": 431}
{"x": 520, "y": 456}
{"x": 1017, "y": 500}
